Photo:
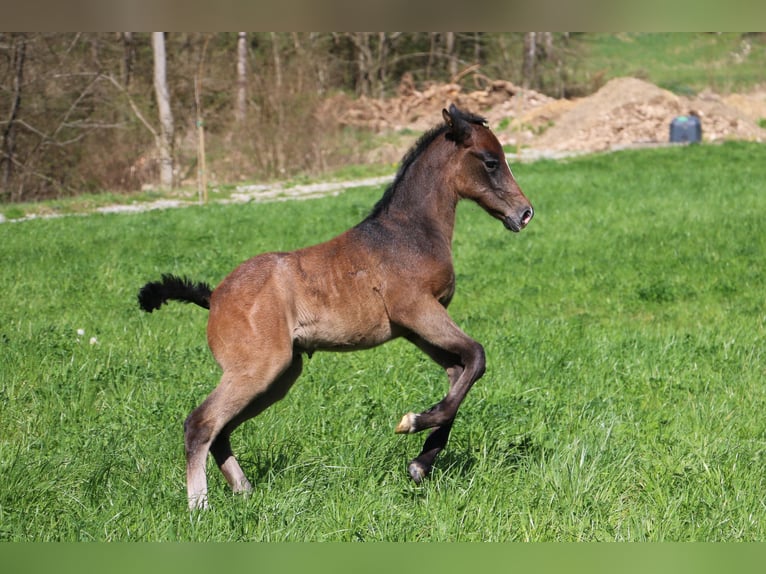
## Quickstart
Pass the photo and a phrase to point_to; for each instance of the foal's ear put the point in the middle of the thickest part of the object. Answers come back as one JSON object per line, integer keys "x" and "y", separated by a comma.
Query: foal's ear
{"x": 459, "y": 129}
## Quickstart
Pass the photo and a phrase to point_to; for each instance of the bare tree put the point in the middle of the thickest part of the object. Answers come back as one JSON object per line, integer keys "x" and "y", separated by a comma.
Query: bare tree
{"x": 64, "y": 129}
{"x": 241, "y": 108}
{"x": 382, "y": 67}
{"x": 530, "y": 59}
{"x": 432, "y": 39}
{"x": 372, "y": 61}
{"x": 364, "y": 62}
{"x": 9, "y": 133}
{"x": 165, "y": 140}
{"x": 201, "y": 156}
{"x": 128, "y": 57}
{"x": 449, "y": 49}
{"x": 277, "y": 59}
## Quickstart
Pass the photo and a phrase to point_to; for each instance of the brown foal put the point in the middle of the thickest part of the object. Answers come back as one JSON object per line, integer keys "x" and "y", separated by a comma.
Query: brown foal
{"x": 390, "y": 276}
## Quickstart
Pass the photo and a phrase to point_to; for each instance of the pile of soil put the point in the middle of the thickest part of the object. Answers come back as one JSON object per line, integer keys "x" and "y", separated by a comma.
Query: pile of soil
{"x": 627, "y": 111}
{"x": 416, "y": 110}
{"x": 624, "y": 112}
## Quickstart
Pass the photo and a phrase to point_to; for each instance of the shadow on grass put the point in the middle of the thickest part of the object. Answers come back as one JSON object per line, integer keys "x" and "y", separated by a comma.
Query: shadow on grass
{"x": 262, "y": 465}
{"x": 465, "y": 462}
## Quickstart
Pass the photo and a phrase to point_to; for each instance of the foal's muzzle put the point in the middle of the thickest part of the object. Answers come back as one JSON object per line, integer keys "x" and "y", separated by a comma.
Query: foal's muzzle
{"x": 517, "y": 223}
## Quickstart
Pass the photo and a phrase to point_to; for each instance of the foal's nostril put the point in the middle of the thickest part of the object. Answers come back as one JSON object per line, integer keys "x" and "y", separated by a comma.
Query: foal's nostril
{"x": 526, "y": 215}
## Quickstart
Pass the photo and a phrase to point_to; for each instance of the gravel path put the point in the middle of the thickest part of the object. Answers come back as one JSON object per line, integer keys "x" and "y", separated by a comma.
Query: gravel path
{"x": 277, "y": 191}
{"x": 243, "y": 194}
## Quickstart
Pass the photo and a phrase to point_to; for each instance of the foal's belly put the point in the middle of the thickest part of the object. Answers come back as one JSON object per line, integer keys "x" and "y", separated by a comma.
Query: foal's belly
{"x": 310, "y": 340}
{"x": 358, "y": 321}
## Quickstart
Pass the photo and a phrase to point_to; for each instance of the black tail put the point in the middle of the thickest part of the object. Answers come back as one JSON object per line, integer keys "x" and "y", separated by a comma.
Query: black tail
{"x": 153, "y": 295}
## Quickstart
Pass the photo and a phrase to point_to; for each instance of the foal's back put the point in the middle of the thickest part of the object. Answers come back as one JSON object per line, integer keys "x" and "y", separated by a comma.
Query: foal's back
{"x": 328, "y": 296}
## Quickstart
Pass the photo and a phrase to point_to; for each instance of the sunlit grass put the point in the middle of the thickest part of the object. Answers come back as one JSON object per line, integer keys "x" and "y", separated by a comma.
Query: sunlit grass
{"x": 685, "y": 63}
{"x": 623, "y": 400}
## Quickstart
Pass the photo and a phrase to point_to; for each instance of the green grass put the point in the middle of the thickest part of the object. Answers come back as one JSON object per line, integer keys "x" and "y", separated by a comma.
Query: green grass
{"x": 624, "y": 398}
{"x": 685, "y": 63}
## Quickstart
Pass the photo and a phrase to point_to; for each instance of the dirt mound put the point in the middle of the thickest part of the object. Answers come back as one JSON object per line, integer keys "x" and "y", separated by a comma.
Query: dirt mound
{"x": 419, "y": 110}
{"x": 624, "y": 112}
{"x": 627, "y": 111}
{"x": 752, "y": 105}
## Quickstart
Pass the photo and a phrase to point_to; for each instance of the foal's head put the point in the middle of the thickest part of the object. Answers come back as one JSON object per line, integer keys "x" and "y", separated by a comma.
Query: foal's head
{"x": 481, "y": 172}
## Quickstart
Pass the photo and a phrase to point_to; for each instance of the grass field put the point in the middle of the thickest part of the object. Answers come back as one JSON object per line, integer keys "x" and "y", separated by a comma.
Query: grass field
{"x": 624, "y": 398}
{"x": 684, "y": 63}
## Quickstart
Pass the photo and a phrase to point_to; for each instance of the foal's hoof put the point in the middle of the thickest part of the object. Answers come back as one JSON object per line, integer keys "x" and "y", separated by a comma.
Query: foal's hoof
{"x": 198, "y": 502}
{"x": 417, "y": 471}
{"x": 243, "y": 487}
{"x": 407, "y": 424}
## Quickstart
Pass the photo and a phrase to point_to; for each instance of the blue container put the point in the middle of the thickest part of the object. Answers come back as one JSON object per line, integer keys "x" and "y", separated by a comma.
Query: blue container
{"x": 686, "y": 129}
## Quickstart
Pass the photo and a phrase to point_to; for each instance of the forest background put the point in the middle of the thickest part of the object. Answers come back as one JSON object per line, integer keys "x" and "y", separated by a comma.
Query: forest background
{"x": 90, "y": 112}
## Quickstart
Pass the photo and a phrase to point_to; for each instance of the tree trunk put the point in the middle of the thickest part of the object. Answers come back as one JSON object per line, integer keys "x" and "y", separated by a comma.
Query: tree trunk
{"x": 364, "y": 62}
{"x": 432, "y": 36}
{"x": 128, "y": 57}
{"x": 548, "y": 43}
{"x": 280, "y": 142}
{"x": 529, "y": 60}
{"x": 449, "y": 48}
{"x": 201, "y": 156}
{"x": 165, "y": 142}
{"x": 277, "y": 59}
{"x": 381, "y": 75}
{"x": 241, "y": 110}
{"x": 300, "y": 54}
{"x": 9, "y": 134}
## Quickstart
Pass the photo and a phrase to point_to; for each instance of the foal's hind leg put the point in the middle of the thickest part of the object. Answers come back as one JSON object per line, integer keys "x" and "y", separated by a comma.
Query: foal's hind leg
{"x": 239, "y": 396}
{"x": 221, "y": 446}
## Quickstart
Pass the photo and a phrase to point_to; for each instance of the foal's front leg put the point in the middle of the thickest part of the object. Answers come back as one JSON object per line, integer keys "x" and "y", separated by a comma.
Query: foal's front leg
{"x": 473, "y": 365}
{"x": 420, "y": 467}
{"x": 434, "y": 332}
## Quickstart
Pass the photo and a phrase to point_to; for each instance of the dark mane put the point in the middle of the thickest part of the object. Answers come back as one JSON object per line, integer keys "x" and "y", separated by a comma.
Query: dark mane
{"x": 414, "y": 152}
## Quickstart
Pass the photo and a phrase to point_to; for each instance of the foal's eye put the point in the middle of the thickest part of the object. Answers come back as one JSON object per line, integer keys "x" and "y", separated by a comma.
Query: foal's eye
{"x": 491, "y": 164}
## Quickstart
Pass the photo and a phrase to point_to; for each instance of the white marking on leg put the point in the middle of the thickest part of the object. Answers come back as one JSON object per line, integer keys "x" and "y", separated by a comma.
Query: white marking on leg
{"x": 198, "y": 501}
{"x": 407, "y": 424}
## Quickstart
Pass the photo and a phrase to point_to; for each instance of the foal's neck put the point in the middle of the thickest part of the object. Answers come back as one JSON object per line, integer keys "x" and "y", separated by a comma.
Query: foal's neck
{"x": 423, "y": 200}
